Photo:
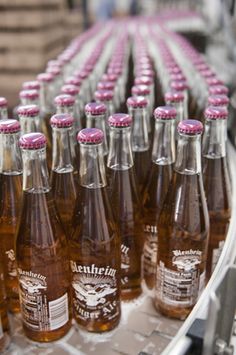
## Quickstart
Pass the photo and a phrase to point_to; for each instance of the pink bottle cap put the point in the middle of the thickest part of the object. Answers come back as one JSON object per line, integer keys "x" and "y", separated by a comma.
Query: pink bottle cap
{"x": 146, "y": 72}
{"x": 32, "y": 141}
{"x": 218, "y": 100}
{"x": 190, "y": 127}
{"x": 31, "y": 85}
{"x": 82, "y": 74}
{"x": 54, "y": 62}
{"x": 214, "y": 81}
{"x": 174, "y": 96}
{"x": 28, "y": 111}
{"x": 29, "y": 94}
{"x": 3, "y": 102}
{"x": 175, "y": 70}
{"x": 179, "y": 85}
{"x": 45, "y": 77}
{"x": 104, "y": 95}
{"x": 137, "y": 102}
{"x": 90, "y": 136}
{"x": 215, "y": 113}
{"x": 70, "y": 89}
{"x": 95, "y": 108}
{"x": 9, "y": 126}
{"x": 116, "y": 71}
{"x": 178, "y": 77}
{"x": 218, "y": 90}
{"x": 165, "y": 113}
{"x": 73, "y": 80}
{"x": 64, "y": 100}
{"x": 106, "y": 85}
{"x": 55, "y": 71}
{"x": 143, "y": 80}
{"x": 120, "y": 120}
{"x": 208, "y": 73}
{"x": 140, "y": 90}
{"x": 61, "y": 120}
{"x": 110, "y": 77}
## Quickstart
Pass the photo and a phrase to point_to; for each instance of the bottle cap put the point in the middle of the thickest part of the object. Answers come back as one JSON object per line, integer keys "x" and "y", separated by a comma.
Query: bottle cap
{"x": 218, "y": 100}
{"x": 175, "y": 70}
{"x": 106, "y": 85}
{"x": 207, "y": 73}
{"x": 64, "y": 100}
{"x": 190, "y": 127}
{"x": 178, "y": 77}
{"x": 45, "y": 77}
{"x": 137, "y": 102}
{"x": 61, "y": 120}
{"x": 215, "y": 113}
{"x": 218, "y": 90}
{"x": 174, "y": 96}
{"x": 90, "y": 136}
{"x": 116, "y": 71}
{"x": 165, "y": 113}
{"x": 140, "y": 90}
{"x": 82, "y": 74}
{"x": 104, "y": 95}
{"x": 31, "y": 85}
{"x": 9, "y": 126}
{"x": 32, "y": 141}
{"x": 179, "y": 85}
{"x": 70, "y": 89}
{"x": 28, "y": 111}
{"x": 54, "y": 70}
{"x": 95, "y": 108}
{"x": 73, "y": 80}
{"x": 29, "y": 94}
{"x": 143, "y": 80}
{"x": 3, "y": 102}
{"x": 146, "y": 72}
{"x": 120, "y": 120}
{"x": 110, "y": 77}
{"x": 212, "y": 81}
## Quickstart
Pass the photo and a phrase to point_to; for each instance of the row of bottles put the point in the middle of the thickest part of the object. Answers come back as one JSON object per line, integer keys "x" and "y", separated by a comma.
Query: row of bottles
{"x": 131, "y": 201}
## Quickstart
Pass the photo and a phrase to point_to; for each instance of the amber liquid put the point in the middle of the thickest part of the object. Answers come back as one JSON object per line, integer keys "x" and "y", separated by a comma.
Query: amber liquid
{"x": 183, "y": 227}
{"x": 64, "y": 193}
{"x": 153, "y": 199}
{"x": 95, "y": 241}
{"x": 4, "y": 323}
{"x": 41, "y": 249}
{"x": 128, "y": 214}
{"x": 142, "y": 162}
{"x": 10, "y": 204}
{"x": 217, "y": 189}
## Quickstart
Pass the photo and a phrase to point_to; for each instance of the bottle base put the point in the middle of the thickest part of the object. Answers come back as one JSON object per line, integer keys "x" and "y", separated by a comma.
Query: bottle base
{"x": 180, "y": 313}
{"x": 47, "y": 336}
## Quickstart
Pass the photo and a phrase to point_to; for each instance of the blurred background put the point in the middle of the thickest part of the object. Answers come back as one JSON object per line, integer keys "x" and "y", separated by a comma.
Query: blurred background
{"x": 34, "y": 31}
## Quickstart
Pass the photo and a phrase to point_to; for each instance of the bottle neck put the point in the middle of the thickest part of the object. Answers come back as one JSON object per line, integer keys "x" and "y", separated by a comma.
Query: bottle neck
{"x": 3, "y": 113}
{"x": 120, "y": 153}
{"x": 29, "y": 124}
{"x": 179, "y": 106}
{"x": 10, "y": 156}
{"x": 61, "y": 150}
{"x": 213, "y": 142}
{"x": 35, "y": 171}
{"x": 92, "y": 168}
{"x": 163, "y": 151}
{"x": 140, "y": 141}
{"x": 98, "y": 122}
{"x": 188, "y": 160}
{"x": 29, "y": 101}
{"x": 45, "y": 97}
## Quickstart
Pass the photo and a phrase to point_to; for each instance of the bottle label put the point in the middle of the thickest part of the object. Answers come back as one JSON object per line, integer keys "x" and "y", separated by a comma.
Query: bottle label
{"x": 11, "y": 263}
{"x": 216, "y": 254}
{"x": 180, "y": 287}
{"x": 150, "y": 250}
{"x": 95, "y": 291}
{"x": 38, "y": 313}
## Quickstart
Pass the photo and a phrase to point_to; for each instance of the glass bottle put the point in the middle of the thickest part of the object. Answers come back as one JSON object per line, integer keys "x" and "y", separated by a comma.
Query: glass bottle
{"x": 29, "y": 119}
{"x": 182, "y": 86}
{"x": 216, "y": 182}
{"x": 137, "y": 107}
{"x": 4, "y": 322}
{"x": 10, "y": 205}
{"x": 218, "y": 100}
{"x": 176, "y": 99}
{"x": 218, "y": 90}
{"x": 3, "y": 108}
{"x": 126, "y": 204}
{"x": 74, "y": 91}
{"x": 183, "y": 229}
{"x": 27, "y": 97}
{"x": 145, "y": 91}
{"x": 94, "y": 247}
{"x": 62, "y": 174}
{"x": 41, "y": 250}
{"x": 31, "y": 85}
{"x": 96, "y": 118}
{"x": 106, "y": 97}
{"x": 156, "y": 188}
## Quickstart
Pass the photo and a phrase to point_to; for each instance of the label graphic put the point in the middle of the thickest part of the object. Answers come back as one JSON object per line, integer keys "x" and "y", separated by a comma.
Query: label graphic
{"x": 37, "y": 312}
{"x": 11, "y": 263}
{"x": 150, "y": 250}
{"x": 181, "y": 287}
{"x": 95, "y": 291}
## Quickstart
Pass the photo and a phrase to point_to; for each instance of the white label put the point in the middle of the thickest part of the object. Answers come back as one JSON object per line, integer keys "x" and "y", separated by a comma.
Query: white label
{"x": 150, "y": 251}
{"x": 180, "y": 287}
{"x": 58, "y": 312}
{"x": 95, "y": 291}
{"x": 216, "y": 254}
{"x": 11, "y": 263}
